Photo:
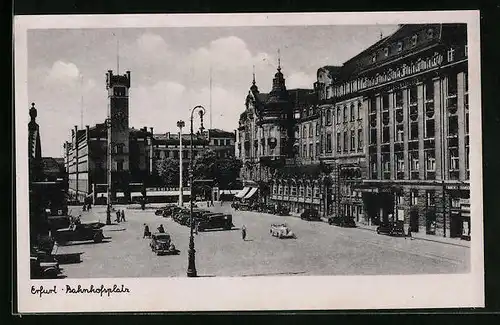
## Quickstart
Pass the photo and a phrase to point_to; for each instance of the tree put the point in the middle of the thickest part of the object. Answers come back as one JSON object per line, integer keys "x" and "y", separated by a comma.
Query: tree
{"x": 168, "y": 171}
{"x": 224, "y": 171}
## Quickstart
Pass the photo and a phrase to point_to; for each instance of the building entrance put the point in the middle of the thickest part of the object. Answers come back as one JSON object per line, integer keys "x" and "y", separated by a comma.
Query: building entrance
{"x": 414, "y": 220}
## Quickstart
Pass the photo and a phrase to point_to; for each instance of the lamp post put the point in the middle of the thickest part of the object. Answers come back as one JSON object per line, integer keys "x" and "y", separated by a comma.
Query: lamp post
{"x": 109, "y": 162}
{"x": 191, "y": 271}
{"x": 180, "y": 125}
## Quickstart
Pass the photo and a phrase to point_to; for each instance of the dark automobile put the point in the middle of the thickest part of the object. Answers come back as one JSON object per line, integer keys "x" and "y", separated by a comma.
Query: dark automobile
{"x": 161, "y": 243}
{"x": 214, "y": 221}
{"x": 310, "y": 215}
{"x": 282, "y": 210}
{"x": 43, "y": 265}
{"x": 391, "y": 229}
{"x": 235, "y": 205}
{"x": 58, "y": 222}
{"x": 165, "y": 211}
{"x": 342, "y": 222}
{"x": 79, "y": 232}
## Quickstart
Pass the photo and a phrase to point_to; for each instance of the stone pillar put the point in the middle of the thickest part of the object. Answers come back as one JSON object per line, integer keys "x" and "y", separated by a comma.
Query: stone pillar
{"x": 406, "y": 131}
{"x": 461, "y": 124}
{"x": 392, "y": 124}
{"x": 421, "y": 118}
{"x": 379, "y": 135}
{"x": 438, "y": 121}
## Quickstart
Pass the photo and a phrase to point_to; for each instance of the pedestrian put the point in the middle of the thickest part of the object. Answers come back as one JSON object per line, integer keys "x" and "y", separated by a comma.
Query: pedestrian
{"x": 118, "y": 216}
{"x": 196, "y": 228}
{"x": 123, "y": 215}
{"x": 147, "y": 233}
{"x": 409, "y": 233}
{"x": 244, "y": 232}
{"x": 161, "y": 229}
{"x": 208, "y": 204}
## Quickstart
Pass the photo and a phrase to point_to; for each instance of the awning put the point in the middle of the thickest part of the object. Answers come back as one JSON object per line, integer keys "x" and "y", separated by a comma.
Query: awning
{"x": 242, "y": 192}
{"x": 251, "y": 193}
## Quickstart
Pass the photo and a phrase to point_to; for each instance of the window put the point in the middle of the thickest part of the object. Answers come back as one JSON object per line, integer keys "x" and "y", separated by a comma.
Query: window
{"x": 339, "y": 143}
{"x": 317, "y": 128}
{"x": 430, "y": 161}
{"x": 400, "y": 162}
{"x": 311, "y": 152}
{"x": 328, "y": 117}
{"x": 345, "y": 113}
{"x": 304, "y": 151}
{"x": 338, "y": 115}
{"x": 301, "y": 190}
{"x": 430, "y": 198}
{"x": 455, "y": 203}
{"x": 374, "y": 57}
{"x": 399, "y": 98}
{"x": 400, "y": 46}
{"x": 452, "y": 85}
{"x": 451, "y": 55}
{"x": 466, "y": 50}
{"x": 430, "y": 33}
{"x": 346, "y": 143}
{"x": 413, "y": 96}
{"x": 413, "y": 198}
{"x": 386, "y": 163}
{"x": 385, "y": 134}
{"x": 329, "y": 142}
{"x": 280, "y": 189}
{"x": 285, "y": 189}
{"x": 400, "y": 133}
{"x": 453, "y": 125}
{"x": 119, "y": 165}
{"x": 360, "y": 138}
{"x": 386, "y": 52}
{"x": 454, "y": 161}
{"x": 119, "y": 91}
{"x": 414, "y": 131}
{"x": 414, "y": 40}
{"x": 360, "y": 112}
{"x": 275, "y": 190}
{"x": 352, "y": 112}
{"x": 318, "y": 148}
{"x": 293, "y": 190}
{"x": 414, "y": 163}
{"x": 310, "y": 130}
{"x": 309, "y": 191}
{"x": 429, "y": 90}
{"x": 119, "y": 148}
{"x": 353, "y": 141}
{"x": 304, "y": 131}
{"x": 216, "y": 142}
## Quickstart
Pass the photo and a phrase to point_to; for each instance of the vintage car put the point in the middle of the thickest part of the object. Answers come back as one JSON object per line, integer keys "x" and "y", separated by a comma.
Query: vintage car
{"x": 347, "y": 222}
{"x": 43, "y": 265}
{"x": 214, "y": 221}
{"x": 166, "y": 210}
{"x": 281, "y": 231}
{"x": 79, "y": 232}
{"x": 235, "y": 205}
{"x": 161, "y": 243}
{"x": 282, "y": 210}
{"x": 391, "y": 228}
{"x": 310, "y": 215}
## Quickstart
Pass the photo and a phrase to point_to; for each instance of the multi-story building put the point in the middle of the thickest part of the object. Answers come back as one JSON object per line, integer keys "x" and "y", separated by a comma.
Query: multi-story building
{"x": 390, "y": 130}
{"x": 134, "y": 152}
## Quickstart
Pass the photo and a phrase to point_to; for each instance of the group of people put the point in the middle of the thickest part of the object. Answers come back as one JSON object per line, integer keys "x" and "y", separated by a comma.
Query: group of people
{"x": 120, "y": 216}
{"x": 147, "y": 232}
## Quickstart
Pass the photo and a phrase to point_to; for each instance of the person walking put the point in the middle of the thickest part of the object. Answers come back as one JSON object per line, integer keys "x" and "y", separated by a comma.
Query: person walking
{"x": 147, "y": 233}
{"x": 409, "y": 233}
{"x": 196, "y": 228}
{"x": 244, "y": 232}
{"x": 161, "y": 229}
{"x": 118, "y": 216}
{"x": 123, "y": 216}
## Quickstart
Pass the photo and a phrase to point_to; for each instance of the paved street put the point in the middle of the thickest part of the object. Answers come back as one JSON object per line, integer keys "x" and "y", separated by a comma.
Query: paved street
{"x": 319, "y": 249}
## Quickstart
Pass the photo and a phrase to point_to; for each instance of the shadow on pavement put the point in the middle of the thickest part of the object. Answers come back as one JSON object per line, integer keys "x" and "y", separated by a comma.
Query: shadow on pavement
{"x": 85, "y": 243}
{"x": 206, "y": 276}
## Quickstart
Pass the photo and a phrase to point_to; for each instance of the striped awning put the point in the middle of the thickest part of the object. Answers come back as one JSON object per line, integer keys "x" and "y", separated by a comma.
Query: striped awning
{"x": 251, "y": 193}
{"x": 242, "y": 193}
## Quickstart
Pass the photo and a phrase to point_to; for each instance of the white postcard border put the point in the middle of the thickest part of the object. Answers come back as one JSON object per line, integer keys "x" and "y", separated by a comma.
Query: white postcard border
{"x": 251, "y": 293}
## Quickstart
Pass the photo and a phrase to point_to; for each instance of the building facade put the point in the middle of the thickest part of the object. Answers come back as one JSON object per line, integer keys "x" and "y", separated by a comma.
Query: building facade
{"x": 384, "y": 137}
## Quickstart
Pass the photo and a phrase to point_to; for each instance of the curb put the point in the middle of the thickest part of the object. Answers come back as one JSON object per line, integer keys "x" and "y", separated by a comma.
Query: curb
{"x": 421, "y": 238}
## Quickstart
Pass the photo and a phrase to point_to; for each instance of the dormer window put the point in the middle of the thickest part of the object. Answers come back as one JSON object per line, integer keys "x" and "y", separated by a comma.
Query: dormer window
{"x": 430, "y": 33}
{"x": 414, "y": 39}
{"x": 451, "y": 54}
{"x": 374, "y": 57}
{"x": 400, "y": 46}
{"x": 386, "y": 52}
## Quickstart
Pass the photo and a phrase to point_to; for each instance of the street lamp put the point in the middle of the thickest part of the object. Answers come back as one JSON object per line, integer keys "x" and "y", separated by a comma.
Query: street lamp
{"x": 109, "y": 161}
{"x": 180, "y": 125}
{"x": 191, "y": 271}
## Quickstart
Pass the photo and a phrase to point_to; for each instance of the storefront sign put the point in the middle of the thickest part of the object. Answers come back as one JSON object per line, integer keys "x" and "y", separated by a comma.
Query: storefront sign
{"x": 390, "y": 74}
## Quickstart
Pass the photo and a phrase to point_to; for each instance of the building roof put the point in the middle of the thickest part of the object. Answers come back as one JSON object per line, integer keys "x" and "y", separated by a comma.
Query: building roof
{"x": 220, "y": 133}
{"x": 52, "y": 168}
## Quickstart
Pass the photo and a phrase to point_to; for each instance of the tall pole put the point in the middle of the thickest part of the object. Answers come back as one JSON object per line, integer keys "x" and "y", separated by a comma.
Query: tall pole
{"x": 180, "y": 125}
{"x": 109, "y": 162}
{"x": 210, "y": 97}
{"x": 191, "y": 271}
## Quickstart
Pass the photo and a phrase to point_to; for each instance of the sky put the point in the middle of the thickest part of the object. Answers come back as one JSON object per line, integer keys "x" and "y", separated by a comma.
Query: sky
{"x": 170, "y": 71}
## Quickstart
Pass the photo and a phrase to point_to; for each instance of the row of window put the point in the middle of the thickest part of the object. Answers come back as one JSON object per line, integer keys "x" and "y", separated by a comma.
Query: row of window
{"x": 222, "y": 142}
{"x": 344, "y": 114}
{"x": 293, "y": 190}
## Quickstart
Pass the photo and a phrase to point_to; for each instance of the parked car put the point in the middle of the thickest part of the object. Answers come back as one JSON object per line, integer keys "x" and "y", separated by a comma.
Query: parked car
{"x": 281, "y": 231}
{"x": 79, "y": 232}
{"x": 282, "y": 211}
{"x": 161, "y": 243}
{"x": 235, "y": 205}
{"x": 391, "y": 229}
{"x": 43, "y": 265}
{"x": 342, "y": 222}
{"x": 214, "y": 221}
{"x": 310, "y": 215}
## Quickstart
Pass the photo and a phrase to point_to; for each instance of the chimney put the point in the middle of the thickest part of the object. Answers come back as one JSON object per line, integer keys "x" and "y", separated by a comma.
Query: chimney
{"x": 151, "y": 130}
{"x": 167, "y": 135}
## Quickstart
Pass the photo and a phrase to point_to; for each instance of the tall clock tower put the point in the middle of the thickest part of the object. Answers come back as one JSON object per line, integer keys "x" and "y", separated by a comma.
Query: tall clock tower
{"x": 118, "y": 132}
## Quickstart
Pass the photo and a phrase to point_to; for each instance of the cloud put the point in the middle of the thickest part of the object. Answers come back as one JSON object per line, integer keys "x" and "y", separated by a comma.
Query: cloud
{"x": 63, "y": 72}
